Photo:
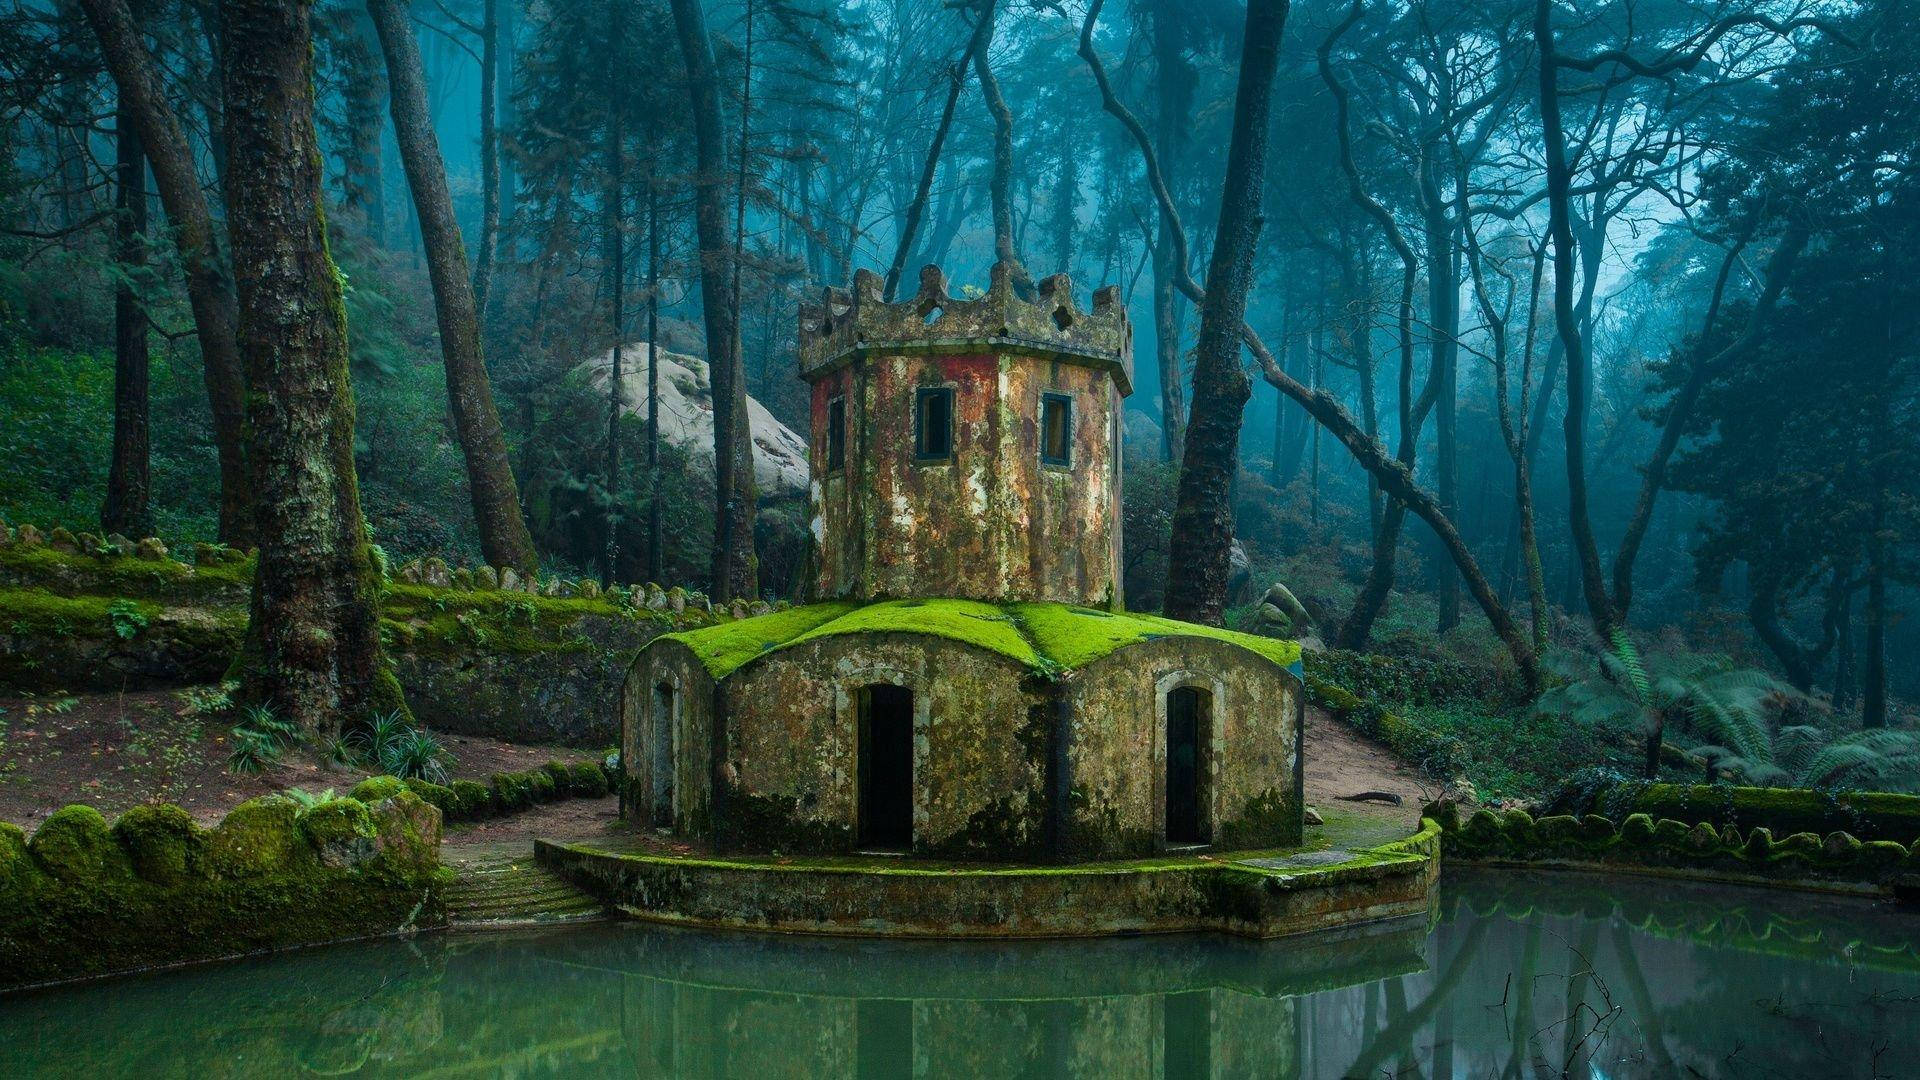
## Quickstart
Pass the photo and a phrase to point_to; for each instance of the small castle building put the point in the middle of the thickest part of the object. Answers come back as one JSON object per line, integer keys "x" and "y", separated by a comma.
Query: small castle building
{"x": 966, "y": 683}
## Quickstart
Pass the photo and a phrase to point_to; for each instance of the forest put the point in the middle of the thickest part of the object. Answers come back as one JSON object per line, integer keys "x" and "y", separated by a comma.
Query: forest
{"x": 1569, "y": 342}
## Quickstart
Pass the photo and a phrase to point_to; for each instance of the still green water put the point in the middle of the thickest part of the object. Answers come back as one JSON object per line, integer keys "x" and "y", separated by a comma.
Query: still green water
{"x": 1518, "y": 975}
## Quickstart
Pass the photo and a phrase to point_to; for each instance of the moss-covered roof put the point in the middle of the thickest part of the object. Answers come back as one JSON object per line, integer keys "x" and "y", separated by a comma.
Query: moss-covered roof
{"x": 1043, "y": 637}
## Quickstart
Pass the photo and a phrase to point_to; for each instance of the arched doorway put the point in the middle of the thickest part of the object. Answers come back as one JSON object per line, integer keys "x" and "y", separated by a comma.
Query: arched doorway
{"x": 661, "y": 755}
{"x": 1188, "y": 720}
{"x": 885, "y": 771}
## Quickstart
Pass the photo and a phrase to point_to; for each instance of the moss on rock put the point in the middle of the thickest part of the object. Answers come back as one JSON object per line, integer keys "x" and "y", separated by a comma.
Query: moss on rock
{"x": 163, "y": 842}
{"x": 81, "y": 898}
{"x": 75, "y": 844}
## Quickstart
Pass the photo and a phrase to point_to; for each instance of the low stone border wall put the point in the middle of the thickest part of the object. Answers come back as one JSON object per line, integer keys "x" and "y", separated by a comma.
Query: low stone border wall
{"x": 502, "y": 794}
{"x": 82, "y": 898}
{"x": 1247, "y": 895}
{"x": 1837, "y": 862}
{"x": 1869, "y": 815}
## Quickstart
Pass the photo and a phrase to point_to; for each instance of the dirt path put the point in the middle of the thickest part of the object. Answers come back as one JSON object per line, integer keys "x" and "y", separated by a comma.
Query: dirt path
{"x": 114, "y": 751}
{"x": 1340, "y": 762}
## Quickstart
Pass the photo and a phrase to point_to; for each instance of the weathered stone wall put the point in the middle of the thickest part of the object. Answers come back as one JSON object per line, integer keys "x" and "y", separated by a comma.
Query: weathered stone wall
{"x": 992, "y": 522}
{"x": 792, "y": 747}
{"x": 1118, "y": 752}
{"x": 1238, "y": 898}
{"x": 527, "y": 661}
{"x": 689, "y": 727}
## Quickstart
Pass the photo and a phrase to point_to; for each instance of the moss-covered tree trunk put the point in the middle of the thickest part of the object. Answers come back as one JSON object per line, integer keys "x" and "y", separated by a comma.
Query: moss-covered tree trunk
{"x": 313, "y": 647}
{"x": 496, "y": 499}
{"x": 734, "y": 571}
{"x": 209, "y": 293}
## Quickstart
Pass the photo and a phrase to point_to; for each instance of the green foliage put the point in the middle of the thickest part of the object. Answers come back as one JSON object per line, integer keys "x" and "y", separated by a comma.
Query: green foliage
{"x": 126, "y": 618}
{"x": 260, "y": 740}
{"x": 415, "y": 754}
{"x": 1614, "y": 690}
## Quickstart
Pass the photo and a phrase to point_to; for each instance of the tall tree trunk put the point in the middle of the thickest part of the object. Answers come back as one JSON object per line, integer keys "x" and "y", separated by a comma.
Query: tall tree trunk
{"x": 1203, "y": 510}
{"x": 654, "y": 526}
{"x": 735, "y": 572}
{"x": 313, "y": 650}
{"x": 508, "y": 184}
{"x": 504, "y": 538}
{"x": 1173, "y": 92}
{"x": 129, "y": 480}
{"x": 917, "y": 209}
{"x": 612, "y": 202}
{"x": 209, "y": 293}
{"x": 999, "y": 187}
{"x": 1443, "y": 313}
{"x": 1560, "y": 229}
{"x": 489, "y": 155}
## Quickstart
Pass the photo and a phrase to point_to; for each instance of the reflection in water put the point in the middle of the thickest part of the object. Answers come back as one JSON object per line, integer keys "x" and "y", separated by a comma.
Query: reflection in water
{"x": 1520, "y": 976}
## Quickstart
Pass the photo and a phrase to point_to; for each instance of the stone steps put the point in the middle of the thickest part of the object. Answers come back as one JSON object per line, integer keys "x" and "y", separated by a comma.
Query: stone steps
{"x": 518, "y": 893}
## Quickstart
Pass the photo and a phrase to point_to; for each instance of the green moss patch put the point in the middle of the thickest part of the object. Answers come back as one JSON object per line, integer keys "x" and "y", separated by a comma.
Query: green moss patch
{"x": 724, "y": 648}
{"x": 1074, "y": 637}
{"x": 85, "y": 898}
{"x": 1046, "y": 638}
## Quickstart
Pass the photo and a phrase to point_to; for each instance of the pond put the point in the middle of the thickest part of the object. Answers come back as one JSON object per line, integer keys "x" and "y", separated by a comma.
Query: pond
{"x": 1519, "y": 974}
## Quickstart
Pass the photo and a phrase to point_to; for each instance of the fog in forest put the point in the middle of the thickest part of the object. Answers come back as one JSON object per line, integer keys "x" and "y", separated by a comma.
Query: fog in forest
{"x": 1566, "y": 341}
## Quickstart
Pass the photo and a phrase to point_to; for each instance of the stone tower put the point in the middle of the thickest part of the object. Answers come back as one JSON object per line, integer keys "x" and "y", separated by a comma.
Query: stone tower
{"x": 966, "y": 447}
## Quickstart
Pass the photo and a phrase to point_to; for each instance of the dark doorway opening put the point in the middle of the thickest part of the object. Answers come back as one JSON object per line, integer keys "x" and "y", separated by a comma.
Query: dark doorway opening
{"x": 662, "y": 755}
{"x": 884, "y": 1033}
{"x": 1186, "y": 773}
{"x": 1187, "y": 1035}
{"x": 886, "y": 768}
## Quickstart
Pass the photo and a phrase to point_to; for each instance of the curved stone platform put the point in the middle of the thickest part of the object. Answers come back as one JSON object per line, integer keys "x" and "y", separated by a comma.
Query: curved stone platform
{"x": 1251, "y": 894}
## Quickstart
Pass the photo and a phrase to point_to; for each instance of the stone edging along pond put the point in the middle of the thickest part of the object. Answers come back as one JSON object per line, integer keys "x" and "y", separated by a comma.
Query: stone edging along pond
{"x": 1837, "y": 862}
{"x": 1244, "y": 894}
{"x": 82, "y": 898}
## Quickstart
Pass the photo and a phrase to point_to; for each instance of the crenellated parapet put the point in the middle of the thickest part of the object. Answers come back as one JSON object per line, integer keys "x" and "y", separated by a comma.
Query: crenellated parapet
{"x": 847, "y": 323}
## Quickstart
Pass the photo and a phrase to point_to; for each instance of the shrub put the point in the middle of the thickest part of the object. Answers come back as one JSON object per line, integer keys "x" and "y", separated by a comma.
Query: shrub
{"x": 512, "y": 791}
{"x": 260, "y": 739}
{"x": 470, "y": 799}
{"x": 414, "y": 754}
{"x": 589, "y": 780}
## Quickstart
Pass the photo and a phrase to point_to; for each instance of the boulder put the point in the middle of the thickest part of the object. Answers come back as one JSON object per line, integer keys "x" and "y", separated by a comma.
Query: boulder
{"x": 486, "y": 577}
{"x": 780, "y": 464}
{"x": 151, "y": 549}
{"x": 28, "y": 536}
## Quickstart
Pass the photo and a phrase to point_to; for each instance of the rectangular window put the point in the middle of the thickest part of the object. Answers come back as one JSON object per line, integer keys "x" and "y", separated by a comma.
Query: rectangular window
{"x": 836, "y": 434}
{"x": 1056, "y": 430}
{"x": 933, "y": 423}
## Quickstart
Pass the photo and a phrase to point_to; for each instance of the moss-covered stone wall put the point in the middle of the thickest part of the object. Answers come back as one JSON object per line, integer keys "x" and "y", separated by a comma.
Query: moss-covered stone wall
{"x": 792, "y": 747}
{"x": 667, "y": 738}
{"x": 477, "y": 652}
{"x": 1641, "y": 842}
{"x": 1869, "y": 815}
{"x": 82, "y": 897}
{"x": 1118, "y": 752}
